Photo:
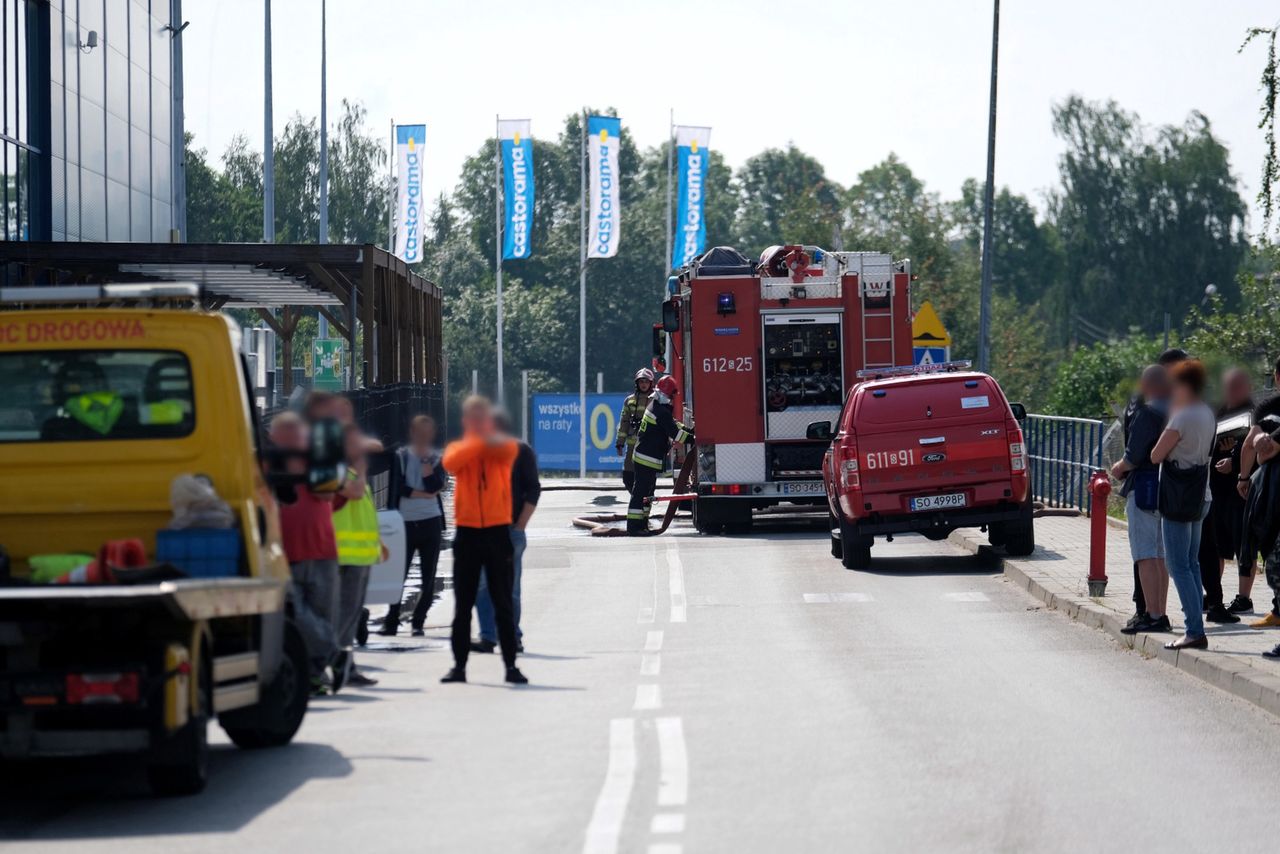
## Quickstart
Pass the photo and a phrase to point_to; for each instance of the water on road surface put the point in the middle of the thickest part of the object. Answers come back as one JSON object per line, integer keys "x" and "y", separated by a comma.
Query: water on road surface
{"x": 694, "y": 694}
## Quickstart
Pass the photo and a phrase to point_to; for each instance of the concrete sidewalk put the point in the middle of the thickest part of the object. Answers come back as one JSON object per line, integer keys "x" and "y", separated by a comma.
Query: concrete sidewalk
{"x": 1056, "y": 575}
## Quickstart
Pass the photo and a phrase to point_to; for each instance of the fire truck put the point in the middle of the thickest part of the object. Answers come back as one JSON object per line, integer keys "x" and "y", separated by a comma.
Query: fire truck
{"x": 764, "y": 352}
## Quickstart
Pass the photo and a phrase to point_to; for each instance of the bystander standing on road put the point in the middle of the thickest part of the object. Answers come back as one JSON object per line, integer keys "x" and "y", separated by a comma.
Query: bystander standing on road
{"x": 1184, "y": 450}
{"x": 306, "y": 526}
{"x": 1140, "y": 481}
{"x": 359, "y": 547}
{"x": 633, "y": 409}
{"x": 526, "y": 488}
{"x": 481, "y": 463}
{"x": 1267, "y": 408}
{"x": 1262, "y": 522}
{"x": 1220, "y": 536}
{"x": 419, "y": 479}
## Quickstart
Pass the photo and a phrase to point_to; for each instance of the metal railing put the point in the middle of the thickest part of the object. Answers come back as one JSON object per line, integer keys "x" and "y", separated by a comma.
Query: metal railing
{"x": 1063, "y": 453}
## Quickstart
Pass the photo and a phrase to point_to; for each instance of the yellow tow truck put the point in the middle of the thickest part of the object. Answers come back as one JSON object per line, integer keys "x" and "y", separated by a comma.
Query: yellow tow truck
{"x": 101, "y": 407}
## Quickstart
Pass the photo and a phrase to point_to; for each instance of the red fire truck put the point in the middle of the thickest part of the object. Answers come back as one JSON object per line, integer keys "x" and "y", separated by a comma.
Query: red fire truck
{"x": 764, "y": 352}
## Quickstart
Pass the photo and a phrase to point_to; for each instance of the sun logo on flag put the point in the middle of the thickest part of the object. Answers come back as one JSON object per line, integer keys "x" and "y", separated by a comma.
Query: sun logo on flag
{"x": 604, "y": 134}
{"x": 693, "y": 146}
{"x": 516, "y": 138}
{"x": 411, "y": 145}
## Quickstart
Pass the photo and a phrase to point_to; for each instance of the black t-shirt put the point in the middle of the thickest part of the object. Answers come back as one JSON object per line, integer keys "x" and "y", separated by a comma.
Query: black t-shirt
{"x": 1267, "y": 407}
{"x": 1223, "y": 486}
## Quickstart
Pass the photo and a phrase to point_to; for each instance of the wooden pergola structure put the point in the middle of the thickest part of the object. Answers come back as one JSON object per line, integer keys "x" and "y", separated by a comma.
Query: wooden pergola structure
{"x": 352, "y": 286}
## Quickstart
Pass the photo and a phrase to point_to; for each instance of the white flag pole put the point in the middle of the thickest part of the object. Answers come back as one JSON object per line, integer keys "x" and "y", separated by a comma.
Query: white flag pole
{"x": 497, "y": 240}
{"x": 671, "y": 147}
{"x": 391, "y": 206}
{"x": 582, "y": 311}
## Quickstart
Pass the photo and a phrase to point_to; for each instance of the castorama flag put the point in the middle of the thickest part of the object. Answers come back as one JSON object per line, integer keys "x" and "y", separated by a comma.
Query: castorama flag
{"x": 410, "y": 204}
{"x": 517, "y": 187}
{"x": 693, "y": 157}
{"x": 604, "y": 137}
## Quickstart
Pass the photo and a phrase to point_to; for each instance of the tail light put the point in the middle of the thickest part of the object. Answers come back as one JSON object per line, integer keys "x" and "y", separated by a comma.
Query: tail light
{"x": 1017, "y": 452}
{"x": 87, "y": 688}
{"x": 849, "y": 478}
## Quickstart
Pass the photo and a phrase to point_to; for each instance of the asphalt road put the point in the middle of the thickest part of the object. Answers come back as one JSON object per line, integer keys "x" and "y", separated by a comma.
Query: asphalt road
{"x": 723, "y": 695}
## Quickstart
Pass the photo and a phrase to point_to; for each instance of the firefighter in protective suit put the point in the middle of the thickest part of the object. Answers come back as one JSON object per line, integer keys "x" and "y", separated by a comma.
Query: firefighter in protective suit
{"x": 633, "y": 409}
{"x": 658, "y": 429}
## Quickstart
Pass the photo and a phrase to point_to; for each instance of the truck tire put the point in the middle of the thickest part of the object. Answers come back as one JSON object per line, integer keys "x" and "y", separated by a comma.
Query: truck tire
{"x": 1020, "y": 535}
{"x": 282, "y": 705}
{"x": 837, "y": 545}
{"x": 181, "y": 766}
{"x": 855, "y": 550}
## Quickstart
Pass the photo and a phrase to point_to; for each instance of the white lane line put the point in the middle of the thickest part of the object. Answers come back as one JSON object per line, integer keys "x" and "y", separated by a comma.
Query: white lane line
{"x": 854, "y": 597}
{"x": 679, "y": 612}
{"x": 605, "y": 828}
{"x": 666, "y": 848}
{"x": 653, "y": 641}
{"x": 667, "y": 822}
{"x": 650, "y": 664}
{"x": 673, "y": 782}
{"x": 815, "y": 598}
{"x": 648, "y": 698}
{"x": 965, "y": 597}
{"x": 646, "y": 615}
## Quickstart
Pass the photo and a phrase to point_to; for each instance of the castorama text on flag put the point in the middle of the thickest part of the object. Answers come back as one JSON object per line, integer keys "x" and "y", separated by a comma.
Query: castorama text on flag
{"x": 604, "y": 136}
{"x": 694, "y": 156}
{"x": 517, "y": 187}
{"x": 409, "y": 139}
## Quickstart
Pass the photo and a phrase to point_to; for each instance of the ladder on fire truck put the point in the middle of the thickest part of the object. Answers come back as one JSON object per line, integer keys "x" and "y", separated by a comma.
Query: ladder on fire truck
{"x": 876, "y": 291}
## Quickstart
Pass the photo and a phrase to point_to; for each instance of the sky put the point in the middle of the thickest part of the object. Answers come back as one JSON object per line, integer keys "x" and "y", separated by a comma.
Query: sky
{"x": 848, "y": 82}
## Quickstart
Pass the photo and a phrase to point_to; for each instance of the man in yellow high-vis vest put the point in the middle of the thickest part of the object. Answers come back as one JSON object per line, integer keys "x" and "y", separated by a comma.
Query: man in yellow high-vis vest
{"x": 355, "y": 526}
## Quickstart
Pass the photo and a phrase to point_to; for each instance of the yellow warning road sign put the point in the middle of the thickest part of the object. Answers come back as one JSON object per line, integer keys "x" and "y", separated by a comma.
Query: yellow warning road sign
{"x": 927, "y": 330}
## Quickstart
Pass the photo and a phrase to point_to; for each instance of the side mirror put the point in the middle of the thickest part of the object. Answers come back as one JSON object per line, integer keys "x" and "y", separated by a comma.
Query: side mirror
{"x": 818, "y": 431}
{"x": 670, "y": 316}
{"x": 1019, "y": 411}
{"x": 659, "y": 343}
{"x": 326, "y": 458}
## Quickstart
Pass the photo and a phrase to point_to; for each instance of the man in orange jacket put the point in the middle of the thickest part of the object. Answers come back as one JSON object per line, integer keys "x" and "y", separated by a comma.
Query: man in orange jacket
{"x": 480, "y": 463}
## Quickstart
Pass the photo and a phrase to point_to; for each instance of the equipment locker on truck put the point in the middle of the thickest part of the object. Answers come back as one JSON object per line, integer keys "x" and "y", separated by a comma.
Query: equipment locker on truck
{"x": 761, "y": 350}
{"x": 100, "y": 409}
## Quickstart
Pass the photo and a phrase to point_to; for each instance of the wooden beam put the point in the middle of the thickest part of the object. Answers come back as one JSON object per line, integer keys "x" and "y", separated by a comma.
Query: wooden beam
{"x": 269, "y": 319}
{"x": 334, "y": 321}
{"x": 368, "y": 290}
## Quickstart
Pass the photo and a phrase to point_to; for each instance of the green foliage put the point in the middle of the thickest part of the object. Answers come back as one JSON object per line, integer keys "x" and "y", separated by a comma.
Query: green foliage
{"x": 1246, "y": 337}
{"x": 1094, "y": 381}
{"x": 1269, "y": 83}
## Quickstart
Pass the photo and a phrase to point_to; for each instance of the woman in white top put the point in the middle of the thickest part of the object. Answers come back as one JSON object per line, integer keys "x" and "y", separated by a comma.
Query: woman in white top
{"x": 1187, "y": 442}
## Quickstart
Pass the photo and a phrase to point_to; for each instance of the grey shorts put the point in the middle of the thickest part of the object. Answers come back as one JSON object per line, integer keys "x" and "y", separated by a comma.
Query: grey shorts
{"x": 1145, "y": 541}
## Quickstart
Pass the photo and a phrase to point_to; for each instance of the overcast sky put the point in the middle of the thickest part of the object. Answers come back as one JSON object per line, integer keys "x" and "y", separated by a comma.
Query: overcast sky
{"x": 848, "y": 81}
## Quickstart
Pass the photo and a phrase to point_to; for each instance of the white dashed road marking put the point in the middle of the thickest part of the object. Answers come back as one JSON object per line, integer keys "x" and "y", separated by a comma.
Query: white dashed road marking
{"x": 648, "y": 697}
{"x": 667, "y": 822}
{"x": 815, "y": 598}
{"x": 679, "y": 612}
{"x": 824, "y": 598}
{"x": 673, "y": 785}
{"x": 853, "y": 597}
{"x": 970, "y": 596}
{"x": 653, "y": 641}
{"x": 666, "y": 848}
{"x": 611, "y": 806}
{"x": 650, "y": 664}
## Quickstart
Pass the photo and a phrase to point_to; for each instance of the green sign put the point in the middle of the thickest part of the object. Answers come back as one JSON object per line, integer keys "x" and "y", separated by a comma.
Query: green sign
{"x": 327, "y": 364}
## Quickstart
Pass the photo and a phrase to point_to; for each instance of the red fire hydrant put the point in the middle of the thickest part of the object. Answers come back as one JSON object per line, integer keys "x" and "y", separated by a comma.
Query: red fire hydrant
{"x": 1099, "y": 489}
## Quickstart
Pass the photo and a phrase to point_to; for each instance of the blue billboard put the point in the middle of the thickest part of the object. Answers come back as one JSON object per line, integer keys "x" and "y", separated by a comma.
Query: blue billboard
{"x": 555, "y": 424}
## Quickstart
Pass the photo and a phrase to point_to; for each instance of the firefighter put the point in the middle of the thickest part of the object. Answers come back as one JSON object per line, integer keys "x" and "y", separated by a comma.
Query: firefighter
{"x": 633, "y": 409}
{"x": 658, "y": 429}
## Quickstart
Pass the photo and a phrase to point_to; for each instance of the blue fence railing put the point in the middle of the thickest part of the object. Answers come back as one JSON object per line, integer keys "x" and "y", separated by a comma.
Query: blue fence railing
{"x": 1063, "y": 454}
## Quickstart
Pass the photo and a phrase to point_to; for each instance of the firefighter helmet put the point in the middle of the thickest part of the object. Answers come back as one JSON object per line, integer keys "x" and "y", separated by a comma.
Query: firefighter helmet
{"x": 667, "y": 385}
{"x": 644, "y": 374}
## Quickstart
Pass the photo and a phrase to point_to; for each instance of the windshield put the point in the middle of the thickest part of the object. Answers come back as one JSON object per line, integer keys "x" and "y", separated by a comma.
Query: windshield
{"x": 87, "y": 395}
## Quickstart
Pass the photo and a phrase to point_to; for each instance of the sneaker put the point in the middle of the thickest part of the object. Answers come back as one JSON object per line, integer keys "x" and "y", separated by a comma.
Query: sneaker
{"x": 483, "y": 645}
{"x": 417, "y": 632}
{"x": 456, "y": 674}
{"x": 1270, "y": 621}
{"x": 1137, "y": 623}
{"x": 515, "y": 677}
{"x": 1272, "y": 653}
{"x": 1219, "y": 614}
{"x": 359, "y": 680}
{"x": 1160, "y": 624}
{"x": 388, "y": 630}
{"x": 1240, "y": 605}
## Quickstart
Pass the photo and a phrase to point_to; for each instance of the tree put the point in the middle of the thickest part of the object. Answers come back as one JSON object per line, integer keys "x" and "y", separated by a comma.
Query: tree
{"x": 888, "y": 210}
{"x": 1269, "y": 83}
{"x": 1026, "y": 259}
{"x": 786, "y": 198}
{"x": 1145, "y": 222}
{"x": 1095, "y": 380}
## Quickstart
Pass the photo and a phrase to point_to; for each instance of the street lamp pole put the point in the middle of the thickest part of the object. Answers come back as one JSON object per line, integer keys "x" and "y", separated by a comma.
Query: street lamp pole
{"x": 988, "y": 202}
{"x": 268, "y": 151}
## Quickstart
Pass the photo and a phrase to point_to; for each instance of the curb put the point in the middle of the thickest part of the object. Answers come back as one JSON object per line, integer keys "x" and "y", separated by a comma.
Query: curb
{"x": 1242, "y": 680}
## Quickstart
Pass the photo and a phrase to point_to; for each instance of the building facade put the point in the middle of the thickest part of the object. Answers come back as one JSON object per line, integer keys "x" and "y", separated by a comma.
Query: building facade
{"x": 88, "y": 137}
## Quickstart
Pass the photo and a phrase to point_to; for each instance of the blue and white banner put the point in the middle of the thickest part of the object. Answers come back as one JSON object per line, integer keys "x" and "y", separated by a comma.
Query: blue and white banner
{"x": 693, "y": 157}
{"x": 555, "y": 429}
{"x": 517, "y": 187}
{"x": 604, "y": 138}
{"x": 410, "y": 203}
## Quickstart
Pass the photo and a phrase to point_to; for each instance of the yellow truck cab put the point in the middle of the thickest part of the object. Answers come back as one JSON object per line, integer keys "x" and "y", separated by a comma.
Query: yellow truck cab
{"x": 101, "y": 408}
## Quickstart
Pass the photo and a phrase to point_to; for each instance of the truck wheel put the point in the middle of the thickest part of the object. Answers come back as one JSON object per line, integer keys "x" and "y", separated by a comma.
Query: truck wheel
{"x": 1019, "y": 535}
{"x": 855, "y": 550}
{"x": 282, "y": 705}
{"x": 837, "y": 546}
{"x": 182, "y": 764}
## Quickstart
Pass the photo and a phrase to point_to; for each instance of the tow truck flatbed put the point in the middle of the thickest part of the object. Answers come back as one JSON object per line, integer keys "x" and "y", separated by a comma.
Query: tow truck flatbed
{"x": 192, "y": 599}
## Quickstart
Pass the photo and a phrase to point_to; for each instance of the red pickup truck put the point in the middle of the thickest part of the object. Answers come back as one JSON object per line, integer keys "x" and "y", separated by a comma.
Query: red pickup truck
{"x": 926, "y": 450}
